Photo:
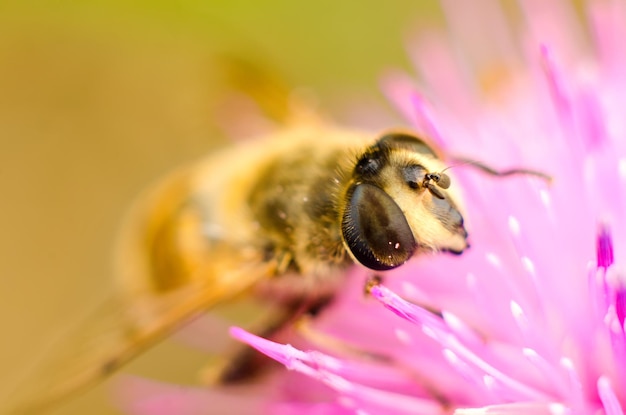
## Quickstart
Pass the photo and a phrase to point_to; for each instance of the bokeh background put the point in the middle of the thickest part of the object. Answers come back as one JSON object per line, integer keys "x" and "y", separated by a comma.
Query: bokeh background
{"x": 98, "y": 99}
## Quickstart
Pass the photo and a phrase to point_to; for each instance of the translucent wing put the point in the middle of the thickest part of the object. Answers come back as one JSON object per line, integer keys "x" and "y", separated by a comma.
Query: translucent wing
{"x": 170, "y": 272}
{"x": 113, "y": 335}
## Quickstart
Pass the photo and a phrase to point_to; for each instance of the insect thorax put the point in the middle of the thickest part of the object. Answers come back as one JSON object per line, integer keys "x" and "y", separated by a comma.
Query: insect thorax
{"x": 295, "y": 205}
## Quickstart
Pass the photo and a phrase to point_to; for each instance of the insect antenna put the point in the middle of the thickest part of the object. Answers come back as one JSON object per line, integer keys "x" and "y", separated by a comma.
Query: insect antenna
{"x": 439, "y": 180}
{"x": 499, "y": 173}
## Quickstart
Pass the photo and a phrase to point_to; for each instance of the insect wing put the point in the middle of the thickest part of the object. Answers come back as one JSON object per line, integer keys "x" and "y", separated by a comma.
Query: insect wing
{"x": 116, "y": 332}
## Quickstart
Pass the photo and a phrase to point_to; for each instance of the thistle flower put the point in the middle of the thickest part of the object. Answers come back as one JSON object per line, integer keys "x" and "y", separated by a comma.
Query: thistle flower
{"x": 530, "y": 320}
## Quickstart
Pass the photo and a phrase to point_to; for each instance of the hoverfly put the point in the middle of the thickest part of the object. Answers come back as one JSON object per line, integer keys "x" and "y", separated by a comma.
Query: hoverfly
{"x": 278, "y": 220}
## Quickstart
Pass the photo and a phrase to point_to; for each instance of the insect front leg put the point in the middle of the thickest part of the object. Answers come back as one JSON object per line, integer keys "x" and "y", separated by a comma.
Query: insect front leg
{"x": 247, "y": 363}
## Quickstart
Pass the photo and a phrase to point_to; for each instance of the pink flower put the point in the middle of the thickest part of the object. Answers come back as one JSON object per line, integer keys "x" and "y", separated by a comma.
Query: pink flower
{"x": 531, "y": 318}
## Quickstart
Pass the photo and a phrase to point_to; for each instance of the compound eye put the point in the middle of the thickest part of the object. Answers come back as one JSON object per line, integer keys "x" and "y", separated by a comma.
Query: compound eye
{"x": 375, "y": 229}
{"x": 405, "y": 141}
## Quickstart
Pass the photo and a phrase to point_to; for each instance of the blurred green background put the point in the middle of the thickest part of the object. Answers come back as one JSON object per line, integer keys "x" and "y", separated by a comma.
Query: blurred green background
{"x": 98, "y": 99}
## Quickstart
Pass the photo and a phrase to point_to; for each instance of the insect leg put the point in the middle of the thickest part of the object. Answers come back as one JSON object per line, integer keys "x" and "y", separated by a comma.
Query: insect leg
{"x": 247, "y": 363}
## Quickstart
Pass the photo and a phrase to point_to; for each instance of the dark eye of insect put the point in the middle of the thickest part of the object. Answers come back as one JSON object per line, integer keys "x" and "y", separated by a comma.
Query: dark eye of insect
{"x": 369, "y": 165}
{"x": 413, "y": 175}
{"x": 376, "y": 230}
{"x": 406, "y": 141}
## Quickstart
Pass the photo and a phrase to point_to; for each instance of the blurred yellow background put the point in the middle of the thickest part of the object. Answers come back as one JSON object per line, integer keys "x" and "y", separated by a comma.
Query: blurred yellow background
{"x": 97, "y": 100}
